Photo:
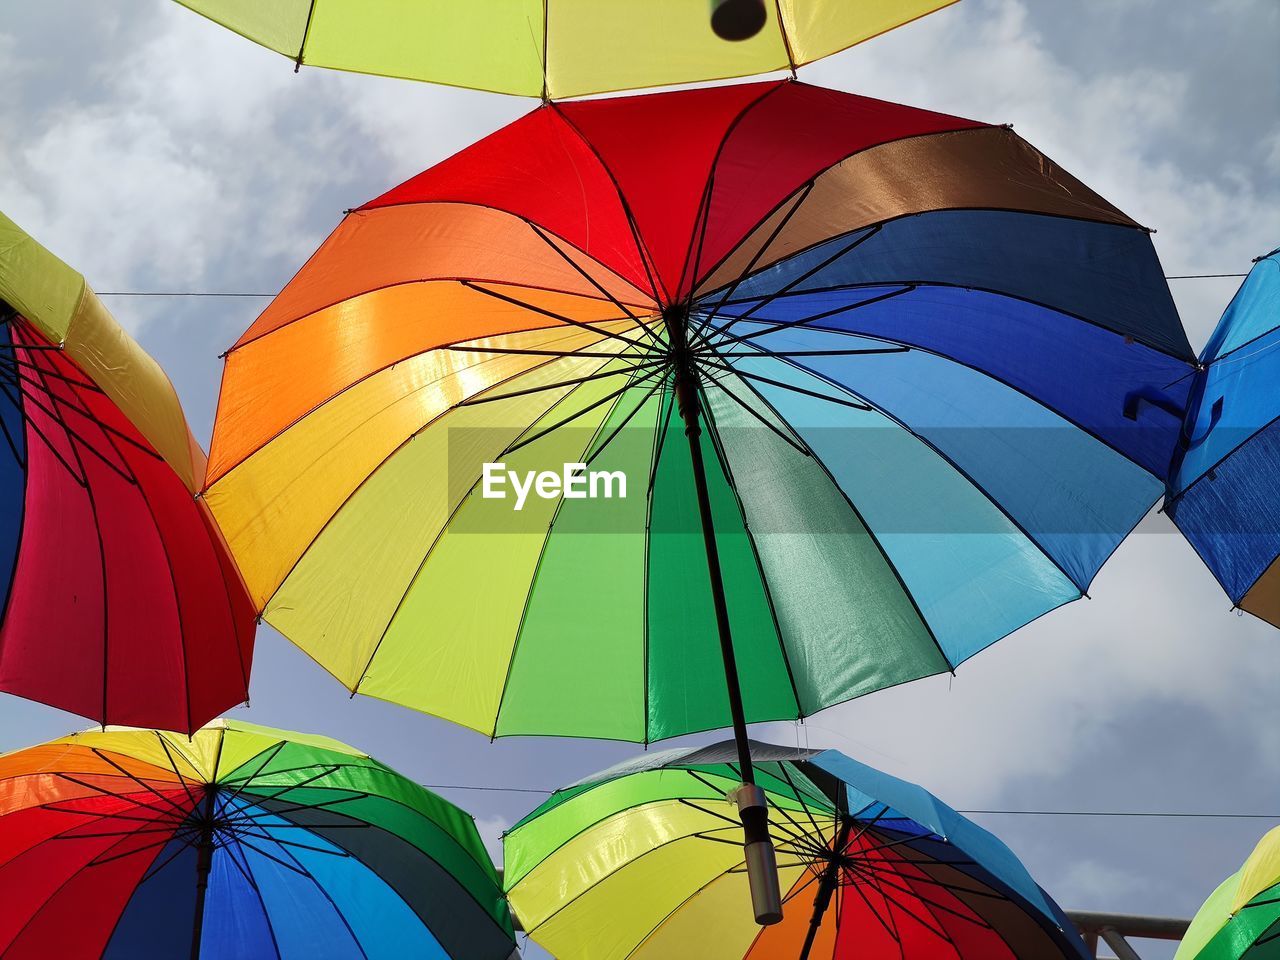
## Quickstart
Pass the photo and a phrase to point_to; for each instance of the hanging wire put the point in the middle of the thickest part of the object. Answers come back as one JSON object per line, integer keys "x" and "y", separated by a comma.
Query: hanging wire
{"x": 267, "y": 296}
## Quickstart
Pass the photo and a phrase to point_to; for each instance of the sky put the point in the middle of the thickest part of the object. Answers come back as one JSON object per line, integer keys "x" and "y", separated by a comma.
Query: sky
{"x": 156, "y": 152}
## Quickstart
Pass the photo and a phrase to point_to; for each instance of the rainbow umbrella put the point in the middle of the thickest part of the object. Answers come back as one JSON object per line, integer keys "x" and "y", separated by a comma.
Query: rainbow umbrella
{"x": 640, "y": 861}
{"x": 561, "y": 48}
{"x": 1222, "y": 486}
{"x": 793, "y": 421}
{"x": 238, "y": 842}
{"x": 1241, "y": 920}
{"x": 120, "y": 601}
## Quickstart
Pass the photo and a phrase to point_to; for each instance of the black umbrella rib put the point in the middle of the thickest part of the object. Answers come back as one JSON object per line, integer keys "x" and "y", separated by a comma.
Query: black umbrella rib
{"x": 173, "y": 764}
{"x": 75, "y": 435}
{"x": 268, "y": 755}
{"x": 792, "y": 442}
{"x": 857, "y": 888}
{"x": 887, "y": 868}
{"x": 100, "y": 861}
{"x": 487, "y": 397}
{"x": 525, "y": 305}
{"x": 762, "y": 352}
{"x": 241, "y": 841}
{"x": 883, "y": 881}
{"x": 145, "y": 786}
{"x": 13, "y": 364}
{"x": 320, "y": 805}
{"x": 592, "y": 280}
{"x": 774, "y": 326}
{"x": 524, "y": 442}
{"x": 755, "y": 259}
{"x": 17, "y": 377}
{"x": 811, "y": 272}
{"x": 520, "y": 352}
{"x": 783, "y": 385}
{"x": 328, "y": 771}
{"x": 654, "y": 388}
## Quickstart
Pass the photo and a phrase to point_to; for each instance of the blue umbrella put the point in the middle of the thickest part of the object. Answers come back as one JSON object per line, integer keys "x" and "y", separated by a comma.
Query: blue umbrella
{"x": 1222, "y": 485}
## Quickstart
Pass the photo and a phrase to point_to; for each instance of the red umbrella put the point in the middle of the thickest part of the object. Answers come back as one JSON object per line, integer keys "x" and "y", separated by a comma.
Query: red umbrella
{"x": 120, "y": 600}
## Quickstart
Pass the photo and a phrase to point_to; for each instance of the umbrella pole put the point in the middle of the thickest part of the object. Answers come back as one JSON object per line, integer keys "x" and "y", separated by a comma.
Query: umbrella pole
{"x": 204, "y": 860}
{"x": 761, "y": 862}
{"x": 826, "y": 887}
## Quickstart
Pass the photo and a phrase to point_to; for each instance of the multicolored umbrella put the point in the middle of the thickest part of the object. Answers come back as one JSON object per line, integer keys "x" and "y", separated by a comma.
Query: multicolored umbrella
{"x": 641, "y": 861}
{"x": 120, "y": 601}
{"x": 1241, "y": 920}
{"x": 561, "y": 48}
{"x": 839, "y": 387}
{"x": 1222, "y": 486}
{"x": 238, "y": 842}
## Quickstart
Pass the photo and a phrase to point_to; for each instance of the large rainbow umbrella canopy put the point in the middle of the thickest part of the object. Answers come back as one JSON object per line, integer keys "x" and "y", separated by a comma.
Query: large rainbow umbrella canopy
{"x": 556, "y": 48}
{"x": 1222, "y": 488}
{"x": 643, "y": 861}
{"x": 238, "y": 842}
{"x": 119, "y": 599}
{"x": 1241, "y": 919}
{"x": 914, "y": 339}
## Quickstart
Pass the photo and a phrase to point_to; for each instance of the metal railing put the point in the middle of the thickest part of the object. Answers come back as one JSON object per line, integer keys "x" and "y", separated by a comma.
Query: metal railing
{"x": 1115, "y": 929}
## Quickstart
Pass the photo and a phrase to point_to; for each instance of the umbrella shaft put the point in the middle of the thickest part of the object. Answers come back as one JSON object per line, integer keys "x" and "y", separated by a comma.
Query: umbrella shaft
{"x": 690, "y": 407}
{"x": 204, "y": 860}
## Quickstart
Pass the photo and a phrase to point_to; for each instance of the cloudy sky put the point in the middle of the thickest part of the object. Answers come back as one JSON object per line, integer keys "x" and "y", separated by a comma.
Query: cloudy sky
{"x": 158, "y": 153}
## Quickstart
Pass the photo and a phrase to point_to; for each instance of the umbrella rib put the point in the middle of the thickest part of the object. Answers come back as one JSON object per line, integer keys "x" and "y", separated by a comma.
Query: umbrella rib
{"x": 525, "y": 441}
{"x": 612, "y": 399}
{"x": 73, "y": 404}
{"x": 884, "y": 554}
{"x": 591, "y": 280}
{"x": 327, "y": 771}
{"x": 799, "y": 796}
{"x": 693, "y": 255}
{"x": 857, "y": 888}
{"x": 942, "y": 455}
{"x": 812, "y": 353}
{"x": 10, "y": 363}
{"x": 156, "y": 868}
{"x": 856, "y": 405}
{"x": 518, "y": 352}
{"x": 636, "y": 237}
{"x": 767, "y": 327}
{"x": 470, "y": 285}
{"x": 654, "y": 388}
{"x": 80, "y": 480}
{"x": 325, "y": 893}
{"x": 723, "y": 459}
{"x": 794, "y": 442}
{"x": 431, "y": 548}
{"x": 320, "y": 805}
{"x": 883, "y": 880}
{"x": 269, "y": 754}
{"x": 801, "y": 196}
{"x": 72, "y": 433}
{"x": 577, "y": 381}
{"x": 888, "y": 867}
{"x": 100, "y": 861}
{"x": 791, "y": 284}
{"x": 235, "y": 854}
{"x": 145, "y": 786}
{"x": 26, "y": 925}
